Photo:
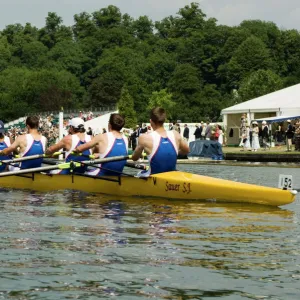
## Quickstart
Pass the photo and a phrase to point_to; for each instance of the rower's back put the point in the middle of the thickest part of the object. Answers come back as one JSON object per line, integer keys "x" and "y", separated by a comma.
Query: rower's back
{"x": 110, "y": 144}
{"x": 161, "y": 146}
{"x": 77, "y": 139}
{"x": 163, "y": 157}
{"x": 32, "y": 143}
{"x": 116, "y": 145}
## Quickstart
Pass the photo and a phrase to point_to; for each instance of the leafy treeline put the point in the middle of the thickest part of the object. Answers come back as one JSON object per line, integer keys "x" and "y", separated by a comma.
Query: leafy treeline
{"x": 196, "y": 66}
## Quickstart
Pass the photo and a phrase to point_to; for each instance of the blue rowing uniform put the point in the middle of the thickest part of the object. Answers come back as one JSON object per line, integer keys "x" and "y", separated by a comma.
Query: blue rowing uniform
{"x": 115, "y": 147}
{"x": 76, "y": 142}
{"x": 164, "y": 153}
{"x": 34, "y": 147}
{"x": 3, "y": 145}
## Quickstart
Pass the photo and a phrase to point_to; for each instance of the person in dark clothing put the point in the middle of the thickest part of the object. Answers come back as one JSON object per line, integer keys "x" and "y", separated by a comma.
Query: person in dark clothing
{"x": 297, "y": 136}
{"x": 265, "y": 135}
{"x": 133, "y": 138}
{"x": 144, "y": 129}
{"x": 186, "y": 132}
{"x": 279, "y": 134}
{"x": 198, "y": 132}
{"x": 89, "y": 132}
{"x": 289, "y": 135}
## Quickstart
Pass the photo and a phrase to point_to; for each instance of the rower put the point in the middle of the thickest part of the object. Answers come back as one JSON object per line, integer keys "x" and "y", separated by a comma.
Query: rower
{"x": 76, "y": 137}
{"x": 5, "y": 142}
{"x": 28, "y": 144}
{"x": 109, "y": 144}
{"x": 161, "y": 146}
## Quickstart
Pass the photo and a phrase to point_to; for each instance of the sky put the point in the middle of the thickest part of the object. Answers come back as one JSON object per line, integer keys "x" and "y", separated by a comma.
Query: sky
{"x": 229, "y": 12}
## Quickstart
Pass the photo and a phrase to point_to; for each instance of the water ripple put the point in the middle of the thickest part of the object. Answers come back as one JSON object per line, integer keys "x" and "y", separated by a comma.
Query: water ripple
{"x": 73, "y": 245}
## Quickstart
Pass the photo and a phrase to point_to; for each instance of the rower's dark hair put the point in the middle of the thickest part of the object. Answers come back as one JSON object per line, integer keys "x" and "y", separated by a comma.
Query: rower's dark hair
{"x": 116, "y": 121}
{"x": 158, "y": 115}
{"x": 80, "y": 129}
{"x": 32, "y": 122}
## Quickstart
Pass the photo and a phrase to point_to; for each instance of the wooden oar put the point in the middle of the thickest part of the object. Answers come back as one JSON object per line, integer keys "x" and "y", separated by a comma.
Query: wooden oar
{"x": 30, "y": 157}
{"x": 63, "y": 166}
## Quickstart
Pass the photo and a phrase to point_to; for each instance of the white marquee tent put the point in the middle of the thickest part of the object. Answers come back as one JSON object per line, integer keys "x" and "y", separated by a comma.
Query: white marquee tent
{"x": 285, "y": 102}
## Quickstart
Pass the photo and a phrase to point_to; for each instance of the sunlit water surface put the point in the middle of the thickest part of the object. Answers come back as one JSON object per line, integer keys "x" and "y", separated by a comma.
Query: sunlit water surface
{"x": 71, "y": 245}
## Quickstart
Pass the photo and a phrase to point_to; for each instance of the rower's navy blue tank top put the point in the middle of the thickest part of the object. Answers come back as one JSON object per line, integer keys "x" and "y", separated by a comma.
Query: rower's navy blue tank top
{"x": 3, "y": 146}
{"x": 36, "y": 148}
{"x": 118, "y": 148}
{"x": 77, "y": 158}
{"x": 164, "y": 158}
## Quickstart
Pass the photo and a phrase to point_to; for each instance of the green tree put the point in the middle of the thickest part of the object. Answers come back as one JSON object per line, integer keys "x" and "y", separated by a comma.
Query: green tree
{"x": 290, "y": 43}
{"x": 193, "y": 58}
{"x": 142, "y": 27}
{"x": 258, "y": 84}
{"x": 108, "y": 17}
{"x": 38, "y": 90}
{"x": 251, "y": 55}
{"x": 185, "y": 86}
{"x": 126, "y": 108}
{"x": 185, "y": 80}
{"x": 84, "y": 25}
{"x": 34, "y": 54}
{"x": 191, "y": 19}
{"x": 54, "y": 31}
{"x": 5, "y": 54}
{"x": 268, "y": 32}
{"x": 67, "y": 55}
{"x": 162, "y": 99}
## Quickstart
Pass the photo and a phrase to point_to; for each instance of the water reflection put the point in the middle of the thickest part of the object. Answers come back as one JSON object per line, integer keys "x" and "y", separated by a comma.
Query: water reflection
{"x": 75, "y": 245}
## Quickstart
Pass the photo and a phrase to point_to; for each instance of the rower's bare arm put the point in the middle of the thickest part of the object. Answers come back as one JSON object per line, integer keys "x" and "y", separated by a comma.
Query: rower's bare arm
{"x": 17, "y": 150}
{"x": 60, "y": 145}
{"x": 13, "y": 148}
{"x": 46, "y": 143}
{"x": 139, "y": 149}
{"x": 137, "y": 153}
{"x": 89, "y": 145}
{"x": 183, "y": 147}
{"x": 96, "y": 149}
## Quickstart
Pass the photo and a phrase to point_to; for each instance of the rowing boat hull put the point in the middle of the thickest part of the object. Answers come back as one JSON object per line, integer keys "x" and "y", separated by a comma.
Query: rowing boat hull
{"x": 170, "y": 185}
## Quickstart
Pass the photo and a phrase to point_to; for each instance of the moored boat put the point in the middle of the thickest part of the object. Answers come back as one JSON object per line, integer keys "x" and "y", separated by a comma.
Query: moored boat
{"x": 171, "y": 185}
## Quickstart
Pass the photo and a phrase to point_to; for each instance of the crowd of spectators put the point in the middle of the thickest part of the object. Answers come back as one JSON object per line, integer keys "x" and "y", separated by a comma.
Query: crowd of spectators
{"x": 49, "y": 127}
{"x": 85, "y": 116}
{"x": 264, "y": 135}
{"x": 204, "y": 131}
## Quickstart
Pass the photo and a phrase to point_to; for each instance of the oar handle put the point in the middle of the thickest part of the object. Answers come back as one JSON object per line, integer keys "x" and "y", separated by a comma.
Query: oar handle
{"x": 84, "y": 155}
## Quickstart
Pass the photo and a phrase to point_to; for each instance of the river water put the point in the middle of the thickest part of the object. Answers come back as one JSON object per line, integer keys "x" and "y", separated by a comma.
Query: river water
{"x": 71, "y": 245}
